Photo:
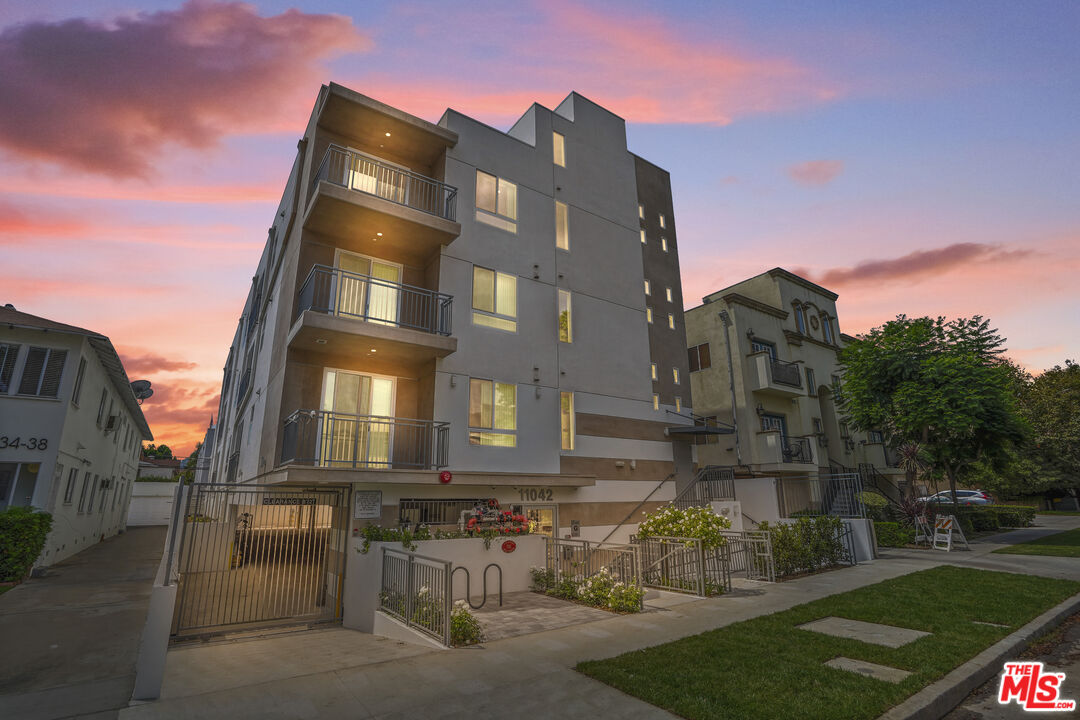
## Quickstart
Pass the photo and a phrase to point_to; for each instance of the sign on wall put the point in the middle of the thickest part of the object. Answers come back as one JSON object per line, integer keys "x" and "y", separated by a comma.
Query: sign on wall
{"x": 367, "y": 504}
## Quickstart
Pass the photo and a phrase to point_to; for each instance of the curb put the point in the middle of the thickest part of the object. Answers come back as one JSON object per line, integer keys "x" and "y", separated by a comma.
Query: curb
{"x": 938, "y": 699}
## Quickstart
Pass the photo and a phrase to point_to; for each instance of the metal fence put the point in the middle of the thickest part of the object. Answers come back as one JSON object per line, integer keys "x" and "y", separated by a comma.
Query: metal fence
{"x": 796, "y": 450}
{"x": 341, "y": 440}
{"x": 417, "y": 511}
{"x": 416, "y": 590}
{"x": 750, "y": 552}
{"x": 676, "y": 564}
{"x": 347, "y": 294}
{"x": 577, "y": 560}
{"x": 712, "y": 483}
{"x": 398, "y": 185}
{"x": 824, "y": 495}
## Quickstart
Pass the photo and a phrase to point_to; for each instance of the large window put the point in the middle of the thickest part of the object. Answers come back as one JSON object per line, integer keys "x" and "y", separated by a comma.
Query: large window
{"x": 494, "y": 299}
{"x": 566, "y": 331}
{"x": 492, "y": 413}
{"x": 8, "y": 355}
{"x": 496, "y": 201}
{"x": 562, "y": 226}
{"x": 566, "y": 420}
{"x": 17, "y": 484}
{"x": 558, "y": 144}
{"x": 41, "y": 375}
{"x": 700, "y": 358}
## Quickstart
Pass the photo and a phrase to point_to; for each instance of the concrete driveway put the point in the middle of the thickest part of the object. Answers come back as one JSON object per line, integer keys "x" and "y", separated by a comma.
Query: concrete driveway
{"x": 71, "y": 638}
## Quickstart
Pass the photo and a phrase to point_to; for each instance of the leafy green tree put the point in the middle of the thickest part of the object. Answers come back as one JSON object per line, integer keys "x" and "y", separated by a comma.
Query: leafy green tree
{"x": 939, "y": 384}
{"x": 187, "y": 475}
{"x": 162, "y": 452}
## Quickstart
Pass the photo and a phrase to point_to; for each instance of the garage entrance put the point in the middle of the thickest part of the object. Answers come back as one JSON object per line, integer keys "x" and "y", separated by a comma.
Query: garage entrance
{"x": 259, "y": 554}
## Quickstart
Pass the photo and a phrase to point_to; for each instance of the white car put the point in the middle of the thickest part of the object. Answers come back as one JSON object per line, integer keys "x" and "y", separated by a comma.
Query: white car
{"x": 963, "y": 497}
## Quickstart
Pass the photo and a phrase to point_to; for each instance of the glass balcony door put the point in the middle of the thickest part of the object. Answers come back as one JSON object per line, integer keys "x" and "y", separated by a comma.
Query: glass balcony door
{"x": 377, "y": 300}
{"x": 376, "y": 176}
{"x": 357, "y": 428}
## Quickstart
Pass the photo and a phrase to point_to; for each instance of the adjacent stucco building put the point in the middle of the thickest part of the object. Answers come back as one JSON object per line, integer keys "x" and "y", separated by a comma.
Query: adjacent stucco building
{"x": 71, "y": 430}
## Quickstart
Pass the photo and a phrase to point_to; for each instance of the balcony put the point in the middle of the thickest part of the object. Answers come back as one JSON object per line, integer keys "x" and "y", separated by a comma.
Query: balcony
{"x": 360, "y": 313}
{"x": 364, "y": 442}
{"x": 776, "y": 452}
{"x": 358, "y": 196}
{"x": 774, "y": 377}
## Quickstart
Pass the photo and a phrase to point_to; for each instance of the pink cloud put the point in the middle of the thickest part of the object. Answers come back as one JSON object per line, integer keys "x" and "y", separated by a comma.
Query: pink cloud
{"x": 149, "y": 363}
{"x": 109, "y": 98}
{"x": 918, "y": 264}
{"x": 209, "y": 194}
{"x": 17, "y": 223}
{"x": 816, "y": 173}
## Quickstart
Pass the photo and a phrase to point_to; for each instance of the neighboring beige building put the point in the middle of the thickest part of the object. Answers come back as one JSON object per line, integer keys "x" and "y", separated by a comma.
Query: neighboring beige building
{"x": 781, "y": 335}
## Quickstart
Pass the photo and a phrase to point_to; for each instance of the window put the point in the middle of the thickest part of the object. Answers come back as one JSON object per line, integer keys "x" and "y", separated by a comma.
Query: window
{"x": 875, "y": 437}
{"x": 642, "y": 236}
{"x": 670, "y": 321}
{"x": 811, "y": 383}
{"x": 93, "y": 493}
{"x": 494, "y": 299}
{"x": 800, "y": 319}
{"x": 41, "y": 375}
{"x": 565, "y": 328}
{"x": 678, "y": 404}
{"x": 774, "y": 422}
{"x": 655, "y": 402}
{"x": 496, "y": 201}
{"x": 492, "y": 413}
{"x": 652, "y": 370}
{"x": 757, "y": 345}
{"x": 8, "y": 354}
{"x": 562, "y": 226}
{"x": 104, "y": 494}
{"x": 101, "y": 405}
{"x": 836, "y": 384}
{"x": 668, "y": 295}
{"x": 844, "y": 431}
{"x": 641, "y": 211}
{"x": 558, "y": 144}
{"x": 82, "y": 494}
{"x": 648, "y": 314}
{"x": 663, "y": 221}
{"x": 675, "y": 375}
{"x": 818, "y": 427}
{"x": 826, "y": 328}
{"x": 566, "y": 420}
{"x": 69, "y": 489}
{"x": 699, "y": 357}
{"x": 78, "y": 382}
{"x": 663, "y": 244}
{"x": 648, "y": 287}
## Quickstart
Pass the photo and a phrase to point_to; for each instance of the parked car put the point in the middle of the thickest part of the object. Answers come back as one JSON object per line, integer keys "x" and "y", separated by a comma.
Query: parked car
{"x": 963, "y": 497}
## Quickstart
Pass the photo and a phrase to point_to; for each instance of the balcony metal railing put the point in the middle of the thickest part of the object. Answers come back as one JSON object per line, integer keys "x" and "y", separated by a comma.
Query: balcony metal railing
{"x": 824, "y": 495}
{"x": 340, "y": 440}
{"x": 796, "y": 450}
{"x": 785, "y": 373}
{"x": 365, "y": 174}
{"x": 347, "y": 294}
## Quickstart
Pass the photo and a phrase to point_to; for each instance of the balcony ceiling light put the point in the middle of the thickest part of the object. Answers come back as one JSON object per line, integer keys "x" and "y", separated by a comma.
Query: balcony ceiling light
{"x": 379, "y": 234}
{"x": 374, "y": 350}
{"x": 320, "y": 341}
{"x": 387, "y": 134}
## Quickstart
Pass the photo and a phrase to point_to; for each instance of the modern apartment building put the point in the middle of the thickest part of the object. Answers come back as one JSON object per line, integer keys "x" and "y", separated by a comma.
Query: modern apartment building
{"x": 71, "y": 430}
{"x": 779, "y": 334}
{"x": 447, "y": 312}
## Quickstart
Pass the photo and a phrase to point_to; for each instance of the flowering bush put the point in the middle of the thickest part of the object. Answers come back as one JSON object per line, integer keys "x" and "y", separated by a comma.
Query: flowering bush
{"x": 543, "y": 579}
{"x": 693, "y": 522}
{"x": 606, "y": 591}
{"x": 465, "y": 629}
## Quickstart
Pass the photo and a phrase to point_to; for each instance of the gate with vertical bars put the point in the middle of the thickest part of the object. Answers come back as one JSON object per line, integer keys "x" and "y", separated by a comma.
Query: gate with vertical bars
{"x": 254, "y": 554}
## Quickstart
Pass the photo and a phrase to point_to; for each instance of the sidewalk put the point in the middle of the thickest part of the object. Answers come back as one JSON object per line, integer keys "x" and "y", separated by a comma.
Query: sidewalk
{"x": 530, "y": 674}
{"x": 71, "y": 637}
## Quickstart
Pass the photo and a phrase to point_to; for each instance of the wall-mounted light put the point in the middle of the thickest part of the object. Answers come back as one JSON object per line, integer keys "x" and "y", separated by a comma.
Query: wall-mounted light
{"x": 750, "y": 333}
{"x": 453, "y": 381}
{"x": 760, "y": 410}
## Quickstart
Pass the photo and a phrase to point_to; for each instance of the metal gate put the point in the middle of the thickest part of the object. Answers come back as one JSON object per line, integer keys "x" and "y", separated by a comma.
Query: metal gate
{"x": 256, "y": 554}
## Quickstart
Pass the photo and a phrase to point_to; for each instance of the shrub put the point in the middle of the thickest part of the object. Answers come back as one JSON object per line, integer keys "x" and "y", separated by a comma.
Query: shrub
{"x": 808, "y": 544}
{"x": 22, "y": 537}
{"x": 877, "y": 506}
{"x": 891, "y": 534}
{"x": 377, "y": 533}
{"x": 465, "y": 629}
{"x": 543, "y": 579}
{"x": 604, "y": 590}
{"x": 694, "y": 522}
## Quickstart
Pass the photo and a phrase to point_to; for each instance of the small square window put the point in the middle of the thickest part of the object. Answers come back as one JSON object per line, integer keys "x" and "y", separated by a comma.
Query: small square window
{"x": 678, "y": 404}
{"x": 648, "y": 287}
{"x": 652, "y": 367}
{"x": 663, "y": 244}
{"x": 642, "y": 236}
{"x": 667, "y": 293}
{"x": 671, "y": 321}
{"x": 641, "y": 211}
{"x": 559, "y": 148}
{"x": 648, "y": 315}
{"x": 663, "y": 221}
{"x": 675, "y": 375}
{"x": 562, "y": 226}
{"x": 655, "y": 402}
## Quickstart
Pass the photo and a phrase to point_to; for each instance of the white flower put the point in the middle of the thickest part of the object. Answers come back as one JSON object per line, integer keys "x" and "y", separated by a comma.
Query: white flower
{"x": 423, "y": 591}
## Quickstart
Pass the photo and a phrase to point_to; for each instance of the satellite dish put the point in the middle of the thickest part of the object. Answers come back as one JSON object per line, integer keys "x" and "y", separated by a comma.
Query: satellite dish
{"x": 142, "y": 390}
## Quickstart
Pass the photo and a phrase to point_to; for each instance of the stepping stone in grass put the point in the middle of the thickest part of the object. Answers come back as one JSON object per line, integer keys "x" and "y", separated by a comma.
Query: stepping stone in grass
{"x": 874, "y": 633}
{"x": 878, "y": 672}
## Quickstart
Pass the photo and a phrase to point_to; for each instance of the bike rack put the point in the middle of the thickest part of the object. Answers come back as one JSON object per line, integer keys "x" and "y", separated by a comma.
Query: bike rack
{"x": 468, "y": 584}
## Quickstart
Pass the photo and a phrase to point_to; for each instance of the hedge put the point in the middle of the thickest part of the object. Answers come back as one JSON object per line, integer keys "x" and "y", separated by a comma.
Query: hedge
{"x": 22, "y": 536}
{"x": 977, "y": 518}
{"x": 808, "y": 544}
{"x": 891, "y": 534}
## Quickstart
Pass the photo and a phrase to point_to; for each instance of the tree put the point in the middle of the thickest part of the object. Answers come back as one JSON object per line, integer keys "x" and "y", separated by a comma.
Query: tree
{"x": 162, "y": 452}
{"x": 939, "y": 384}
{"x": 187, "y": 475}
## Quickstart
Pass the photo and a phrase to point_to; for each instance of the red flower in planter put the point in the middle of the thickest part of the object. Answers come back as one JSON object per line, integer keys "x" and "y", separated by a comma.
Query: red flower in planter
{"x": 517, "y": 530}
{"x": 471, "y": 524}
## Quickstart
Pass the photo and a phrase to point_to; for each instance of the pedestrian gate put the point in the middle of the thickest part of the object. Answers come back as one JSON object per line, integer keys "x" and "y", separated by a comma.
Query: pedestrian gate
{"x": 256, "y": 554}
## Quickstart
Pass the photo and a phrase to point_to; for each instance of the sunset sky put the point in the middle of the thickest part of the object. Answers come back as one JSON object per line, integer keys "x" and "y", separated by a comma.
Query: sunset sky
{"x": 915, "y": 157}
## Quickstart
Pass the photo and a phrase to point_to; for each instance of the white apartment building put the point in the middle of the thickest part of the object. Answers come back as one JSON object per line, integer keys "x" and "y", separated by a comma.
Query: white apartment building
{"x": 780, "y": 335}
{"x": 71, "y": 430}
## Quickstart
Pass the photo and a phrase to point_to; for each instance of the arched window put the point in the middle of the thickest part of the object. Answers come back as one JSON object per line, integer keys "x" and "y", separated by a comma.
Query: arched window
{"x": 800, "y": 318}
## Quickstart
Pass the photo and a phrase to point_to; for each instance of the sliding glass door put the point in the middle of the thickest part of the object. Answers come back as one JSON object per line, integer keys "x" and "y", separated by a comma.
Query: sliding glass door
{"x": 357, "y": 428}
{"x": 368, "y": 288}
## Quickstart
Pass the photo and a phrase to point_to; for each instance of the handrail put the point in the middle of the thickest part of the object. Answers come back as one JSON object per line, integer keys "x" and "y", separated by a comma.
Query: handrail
{"x": 704, "y": 488}
{"x": 636, "y": 508}
{"x": 344, "y": 440}
{"x": 369, "y": 175}
{"x": 340, "y": 292}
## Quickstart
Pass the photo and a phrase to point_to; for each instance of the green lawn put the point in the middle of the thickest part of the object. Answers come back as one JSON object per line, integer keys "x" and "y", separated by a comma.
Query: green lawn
{"x": 767, "y": 667}
{"x": 5, "y": 588}
{"x": 1057, "y": 512}
{"x": 1062, "y": 544}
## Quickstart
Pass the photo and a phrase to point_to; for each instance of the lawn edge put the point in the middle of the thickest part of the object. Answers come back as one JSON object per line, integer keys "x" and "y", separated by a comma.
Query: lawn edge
{"x": 937, "y": 699}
